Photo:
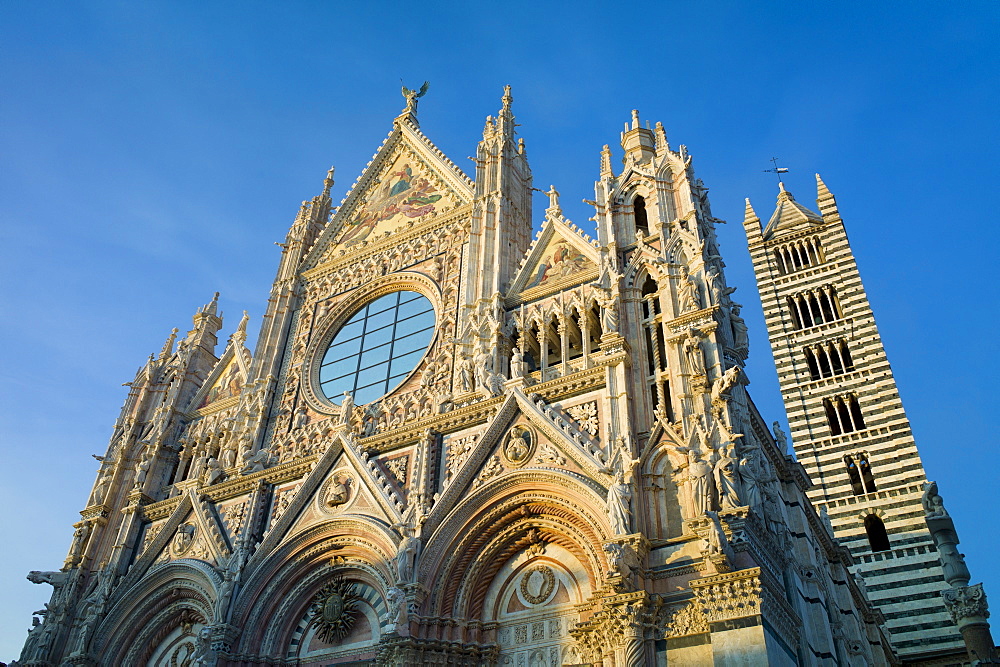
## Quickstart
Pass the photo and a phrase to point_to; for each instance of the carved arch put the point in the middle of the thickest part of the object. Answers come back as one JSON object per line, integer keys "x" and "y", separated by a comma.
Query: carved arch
{"x": 503, "y": 517}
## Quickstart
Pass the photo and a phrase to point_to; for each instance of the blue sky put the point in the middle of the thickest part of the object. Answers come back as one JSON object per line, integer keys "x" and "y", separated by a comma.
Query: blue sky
{"x": 153, "y": 152}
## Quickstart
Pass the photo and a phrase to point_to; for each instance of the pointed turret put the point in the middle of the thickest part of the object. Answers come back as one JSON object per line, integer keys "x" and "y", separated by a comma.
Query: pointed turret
{"x": 168, "y": 345}
{"x": 606, "y": 170}
{"x": 638, "y": 141}
{"x": 825, "y": 201}
{"x": 751, "y": 223}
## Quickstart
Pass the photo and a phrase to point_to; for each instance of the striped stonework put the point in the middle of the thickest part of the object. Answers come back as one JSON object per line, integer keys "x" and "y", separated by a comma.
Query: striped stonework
{"x": 846, "y": 419}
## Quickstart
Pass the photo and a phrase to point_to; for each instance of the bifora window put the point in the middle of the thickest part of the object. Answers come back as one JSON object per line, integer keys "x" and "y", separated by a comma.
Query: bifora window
{"x": 378, "y": 347}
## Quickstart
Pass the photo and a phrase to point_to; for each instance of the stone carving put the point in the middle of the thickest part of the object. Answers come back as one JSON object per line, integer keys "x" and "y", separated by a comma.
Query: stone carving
{"x": 80, "y": 536}
{"x": 716, "y": 542}
{"x": 142, "y": 469}
{"x": 398, "y": 467}
{"x": 727, "y": 480}
{"x": 519, "y": 446}
{"x": 465, "y": 374}
{"x": 257, "y": 461}
{"x": 723, "y": 386}
{"x": 537, "y": 583}
{"x": 623, "y": 560}
{"x": 608, "y": 301}
{"x": 693, "y": 352}
{"x": 492, "y": 468}
{"x": 411, "y": 96}
{"x": 458, "y": 451}
{"x": 234, "y": 515}
{"x": 397, "y": 607}
{"x": 932, "y": 502}
{"x": 684, "y": 620}
{"x": 336, "y": 493}
{"x": 547, "y": 453}
{"x": 966, "y": 602}
{"x": 585, "y": 416}
{"x": 687, "y": 290}
{"x": 730, "y": 596}
{"x": 333, "y": 610}
{"x": 347, "y": 409}
{"x": 183, "y": 539}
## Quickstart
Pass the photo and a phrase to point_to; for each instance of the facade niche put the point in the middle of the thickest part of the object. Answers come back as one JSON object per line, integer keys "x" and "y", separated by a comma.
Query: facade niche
{"x": 639, "y": 212}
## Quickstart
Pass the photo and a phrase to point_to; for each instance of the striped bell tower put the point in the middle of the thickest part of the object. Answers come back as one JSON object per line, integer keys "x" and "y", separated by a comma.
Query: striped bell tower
{"x": 846, "y": 419}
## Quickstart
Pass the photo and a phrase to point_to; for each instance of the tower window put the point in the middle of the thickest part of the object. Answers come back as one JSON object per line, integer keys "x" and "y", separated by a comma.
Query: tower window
{"x": 639, "y": 211}
{"x": 797, "y": 255}
{"x": 860, "y": 473}
{"x": 843, "y": 414}
{"x": 878, "y": 539}
{"x": 814, "y": 307}
{"x": 828, "y": 359}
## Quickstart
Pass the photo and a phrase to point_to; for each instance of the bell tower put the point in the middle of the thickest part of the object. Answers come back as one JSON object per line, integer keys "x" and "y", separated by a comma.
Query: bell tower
{"x": 847, "y": 421}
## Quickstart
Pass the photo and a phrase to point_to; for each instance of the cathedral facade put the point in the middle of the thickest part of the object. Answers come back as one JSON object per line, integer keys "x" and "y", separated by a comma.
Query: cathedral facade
{"x": 459, "y": 443}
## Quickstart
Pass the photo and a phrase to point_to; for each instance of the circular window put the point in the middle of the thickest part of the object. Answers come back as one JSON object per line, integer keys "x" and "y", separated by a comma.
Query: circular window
{"x": 377, "y": 347}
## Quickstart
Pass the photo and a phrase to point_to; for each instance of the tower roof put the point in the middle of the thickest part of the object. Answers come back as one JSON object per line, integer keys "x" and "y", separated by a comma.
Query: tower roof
{"x": 789, "y": 214}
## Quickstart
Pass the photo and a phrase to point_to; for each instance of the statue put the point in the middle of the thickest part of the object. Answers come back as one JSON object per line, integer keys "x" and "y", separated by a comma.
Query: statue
{"x": 213, "y": 471}
{"x": 141, "y": 470}
{"x": 692, "y": 349}
{"x": 397, "y": 606}
{"x": 411, "y": 97}
{"x": 741, "y": 339}
{"x": 516, "y": 363}
{"x": 347, "y": 409}
{"x": 257, "y": 461}
{"x": 687, "y": 290}
{"x": 618, "y": 500}
{"x": 553, "y": 200}
{"x": 228, "y": 457}
{"x": 716, "y": 541}
{"x": 465, "y": 374}
{"x": 699, "y": 473}
{"x": 752, "y": 478}
{"x": 727, "y": 480}
{"x": 932, "y": 502}
{"x": 609, "y": 310}
{"x": 623, "y": 560}
{"x": 780, "y": 437}
{"x": 301, "y": 417}
{"x": 406, "y": 555}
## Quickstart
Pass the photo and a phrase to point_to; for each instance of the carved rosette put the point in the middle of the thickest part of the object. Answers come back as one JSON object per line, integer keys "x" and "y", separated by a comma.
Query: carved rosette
{"x": 966, "y": 603}
{"x": 333, "y": 610}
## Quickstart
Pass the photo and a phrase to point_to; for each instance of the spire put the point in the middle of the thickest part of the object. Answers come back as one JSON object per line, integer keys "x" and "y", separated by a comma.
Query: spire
{"x": 168, "y": 346}
{"x": 240, "y": 335}
{"x": 505, "y": 117}
{"x": 661, "y": 138}
{"x": 751, "y": 223}
{"x": 606, "y": 162}
{"x": 825, "y": 200}
{"x": 789, "y": 214}
{"x": 211, "y": 307}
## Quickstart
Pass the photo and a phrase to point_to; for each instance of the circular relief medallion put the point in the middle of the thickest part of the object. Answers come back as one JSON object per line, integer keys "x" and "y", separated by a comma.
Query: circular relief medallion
{"x": 335, "y": 493}
{"x": 378, "y": 347}
{"x": 183, "y": 539}
{"x": 537, "y": 584}
{"x": 519, "y": 446}
{"x": 332, "y": 610}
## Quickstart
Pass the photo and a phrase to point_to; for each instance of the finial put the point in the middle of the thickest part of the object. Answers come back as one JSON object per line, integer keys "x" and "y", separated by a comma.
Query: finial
{"x": 635, "y": 119}
{"x": 168, "y": 346}
{"x": 661, "y": 137}
{"x": 553, "y": 208}
{"x": 506, "y": 99}
{"x": 211, "y": 307}
{"x": 241, "y": 329}
{"x": 520, "y": 146}
{"x": 328, "y": 182}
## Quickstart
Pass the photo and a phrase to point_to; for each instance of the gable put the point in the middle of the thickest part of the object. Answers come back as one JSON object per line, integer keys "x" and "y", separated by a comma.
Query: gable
{"x": 407, "y": 181}
{"x": 227, "y": 383}
{"x": 558, "y": 259}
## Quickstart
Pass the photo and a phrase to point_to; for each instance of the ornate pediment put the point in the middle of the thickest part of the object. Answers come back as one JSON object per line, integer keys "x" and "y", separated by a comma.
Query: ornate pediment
{"x": 559, "y": 258}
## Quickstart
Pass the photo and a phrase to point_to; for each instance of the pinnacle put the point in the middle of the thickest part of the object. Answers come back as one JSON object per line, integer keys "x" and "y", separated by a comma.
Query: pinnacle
{"x": 749, "y": 213}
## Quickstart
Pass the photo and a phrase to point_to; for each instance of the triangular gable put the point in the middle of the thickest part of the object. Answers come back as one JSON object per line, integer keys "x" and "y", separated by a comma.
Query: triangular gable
{"x": 408, "y": 179}
{"x": 484, "y": 462}
{"x": 558, "y": 258}
{"x": 227, "y": 378}
{"x": 789, "y": 214}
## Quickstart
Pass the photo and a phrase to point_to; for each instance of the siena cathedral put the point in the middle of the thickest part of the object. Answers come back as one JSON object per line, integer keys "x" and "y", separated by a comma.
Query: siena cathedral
{"x": 457, "y": 442}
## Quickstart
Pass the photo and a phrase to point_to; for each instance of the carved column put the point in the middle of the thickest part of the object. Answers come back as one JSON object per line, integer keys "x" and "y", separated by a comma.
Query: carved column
{"x": 968, "y": 608}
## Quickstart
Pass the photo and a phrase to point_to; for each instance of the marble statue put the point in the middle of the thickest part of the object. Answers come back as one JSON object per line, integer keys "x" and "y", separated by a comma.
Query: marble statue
{"x": 699, "y": 473}
{"x": 727, "y": 480}
{"x": 693, "y": 351}
{"x": 619, "y": 499}
{"x": 932, "y": 502}
{"x": 690, "y": 299}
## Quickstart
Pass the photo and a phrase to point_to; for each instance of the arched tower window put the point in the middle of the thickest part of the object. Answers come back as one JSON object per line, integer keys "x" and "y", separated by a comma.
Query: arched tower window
{"x": 860, "y": 473}
{"x": 639, "y": 211}
{"x": 854, "y": 474}
{"x": 878, "y": 539}
{"x": 656, "y": 356}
